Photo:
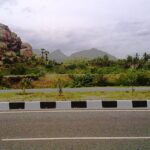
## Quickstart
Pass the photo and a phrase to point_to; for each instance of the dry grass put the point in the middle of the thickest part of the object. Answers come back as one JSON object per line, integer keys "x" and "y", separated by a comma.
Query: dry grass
{"x": 50, "y": 81}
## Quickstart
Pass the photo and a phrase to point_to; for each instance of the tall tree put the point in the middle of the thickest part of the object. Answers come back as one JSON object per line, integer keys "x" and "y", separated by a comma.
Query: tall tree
{"x": 42, "y": 51}
{"x": 146, "y": 57}
{"x": 46, "y": 54}
{"x": 129, "y": 61}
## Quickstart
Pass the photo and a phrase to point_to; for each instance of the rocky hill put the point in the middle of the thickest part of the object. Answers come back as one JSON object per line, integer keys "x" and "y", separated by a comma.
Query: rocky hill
{"x": 90, "y": 54}
{"x": 12, "y": 44}
{"x": 59, "y": 56}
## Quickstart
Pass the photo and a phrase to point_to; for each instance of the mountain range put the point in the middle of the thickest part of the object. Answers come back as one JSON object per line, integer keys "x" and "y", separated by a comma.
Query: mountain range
{"x": 59, "y": 56}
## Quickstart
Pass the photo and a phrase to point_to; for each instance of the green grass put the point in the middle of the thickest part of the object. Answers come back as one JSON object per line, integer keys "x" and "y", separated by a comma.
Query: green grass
{"x": 53, "y": 96}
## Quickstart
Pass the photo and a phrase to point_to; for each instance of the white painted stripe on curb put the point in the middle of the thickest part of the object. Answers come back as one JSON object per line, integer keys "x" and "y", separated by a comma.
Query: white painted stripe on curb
{"x": 32, "y": 106}
{"x": 148, "y": 104}
{"x": 76, "y": 138}
{"x": 4, "y": 106}
{"x": 124, "y": 104}
{"x": 63, "y": 105}
{"x": 94, "y": 104}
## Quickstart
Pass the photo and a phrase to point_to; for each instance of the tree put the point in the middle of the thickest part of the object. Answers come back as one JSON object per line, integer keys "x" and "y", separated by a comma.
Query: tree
{"x": 129, "y": 61}
{"x": 42, "y": 51}
{"x": 25, "y": 83}
{"x": 46, "y": 54}
{"x": 60, "y": 90}
{"x": 105, "y": 61}
{"x": 132, "y": 78}
{"x": 146, "y": 57}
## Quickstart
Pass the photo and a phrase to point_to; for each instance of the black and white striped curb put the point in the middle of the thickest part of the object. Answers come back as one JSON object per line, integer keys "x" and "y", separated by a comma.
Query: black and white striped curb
{"x": 63, "y": 105}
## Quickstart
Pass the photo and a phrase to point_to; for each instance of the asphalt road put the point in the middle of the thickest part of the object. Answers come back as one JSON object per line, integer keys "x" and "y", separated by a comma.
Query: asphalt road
{"x": 64, "y": 130}
{"x": 88, "y": 89}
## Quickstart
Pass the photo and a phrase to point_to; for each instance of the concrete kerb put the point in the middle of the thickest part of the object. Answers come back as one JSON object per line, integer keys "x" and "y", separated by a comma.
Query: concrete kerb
{"x": 94, "y": 104}
{"x": 32, "y": 105}
{"x": 63, "y": 105}
{"x": 124, "y": 104}
{"x": 89, "y": 104}
{"x": 148, "y": 104}
{"x": 4, "y": 106}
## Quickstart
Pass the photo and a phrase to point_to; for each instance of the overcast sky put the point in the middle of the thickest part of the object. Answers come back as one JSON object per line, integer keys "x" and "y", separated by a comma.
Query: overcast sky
{"x": 120, "y": 27}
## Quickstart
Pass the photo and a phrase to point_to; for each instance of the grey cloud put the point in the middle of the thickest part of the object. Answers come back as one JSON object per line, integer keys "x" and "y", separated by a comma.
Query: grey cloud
{"x": 68, "y": 40}
{"x": 2, "y": 2}
{"x": 27, "y": 10}
{"x": 143, "y": 33}
{"x": 140, "y": 28}
{"x": 122, "y": 40}
{"x": 128, "y": 27}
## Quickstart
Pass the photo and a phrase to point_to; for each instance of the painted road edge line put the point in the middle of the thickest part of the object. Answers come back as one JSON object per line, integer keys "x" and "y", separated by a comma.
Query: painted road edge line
{"x": 75, "y": 138}
{"x": 73, "y": 111}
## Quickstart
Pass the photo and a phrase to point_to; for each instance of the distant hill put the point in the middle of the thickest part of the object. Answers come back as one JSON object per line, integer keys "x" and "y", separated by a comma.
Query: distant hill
{"x": 37, "y": 52}
{"x": 91, "y": 54}
{"x": 59, "y": 56}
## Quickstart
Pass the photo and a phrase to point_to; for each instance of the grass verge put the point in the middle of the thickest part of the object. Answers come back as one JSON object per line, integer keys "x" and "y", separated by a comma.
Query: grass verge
{"x": 53, "y": 96}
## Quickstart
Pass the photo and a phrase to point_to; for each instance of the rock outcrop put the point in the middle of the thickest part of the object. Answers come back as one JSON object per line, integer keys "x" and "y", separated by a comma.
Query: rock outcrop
{"x": 10, "y": 42}
{"x": 26, "y": 50}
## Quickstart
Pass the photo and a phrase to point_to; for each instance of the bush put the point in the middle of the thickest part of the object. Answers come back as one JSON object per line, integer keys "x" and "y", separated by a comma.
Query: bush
{"x": 128, "y": 79}
{"x": 82, "y": 81}
{"x": 18, "y": 69}
{"x": 36, "y": 71}
{"x": 143, "y": 79}
{"x": 101, "y": 80}
{"x": 134, "y": 79}
{"x": 71, "y": 67}
{"x": 1, "y": 77}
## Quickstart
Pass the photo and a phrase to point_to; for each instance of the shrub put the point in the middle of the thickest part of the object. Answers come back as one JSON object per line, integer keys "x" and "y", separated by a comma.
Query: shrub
{"x": 25, "y": 83}
{"x": 143, "y": 79}
{"x": 18, "y": 69}
{"x": 128, "y": 79}
{"x": 71, "y": 67}
{"x": 1, "y": 77}
{"x": 82, "y": 81}
{"x": 101, "y": 80}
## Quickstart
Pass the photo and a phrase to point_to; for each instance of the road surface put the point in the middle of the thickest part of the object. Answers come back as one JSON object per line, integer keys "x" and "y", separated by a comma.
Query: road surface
{"x": 88, "y": 89}
{"x": 75, "y": 130}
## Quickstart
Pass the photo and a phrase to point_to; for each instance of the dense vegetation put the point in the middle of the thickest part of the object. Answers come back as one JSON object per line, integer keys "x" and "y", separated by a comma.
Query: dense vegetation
{"x": 77, "y": 73}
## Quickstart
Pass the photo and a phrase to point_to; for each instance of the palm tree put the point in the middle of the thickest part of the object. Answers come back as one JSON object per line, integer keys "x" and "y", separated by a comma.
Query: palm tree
{"x": 46, "y": 54}
{"x": 42, "y": 51}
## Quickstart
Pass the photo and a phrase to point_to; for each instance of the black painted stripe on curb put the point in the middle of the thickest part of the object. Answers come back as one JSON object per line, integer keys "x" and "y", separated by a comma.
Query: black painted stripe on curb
{"x": 47, "y": 105}
{"x": 109, "y": 104}
{"x": 78, "y": 104}
{"x": 17, "y": 105}
{"x": 138, "y": 104}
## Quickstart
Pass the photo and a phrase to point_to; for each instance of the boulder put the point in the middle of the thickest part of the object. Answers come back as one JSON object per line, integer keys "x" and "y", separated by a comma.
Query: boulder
{"x": 26, "y": 50}
{"x": 9, "y": 41}
{"x": 15, "y": 42}
{"x": 3, "y": 46}
{"x": 5, "y": 33}
{"x": 10, "y": 54}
